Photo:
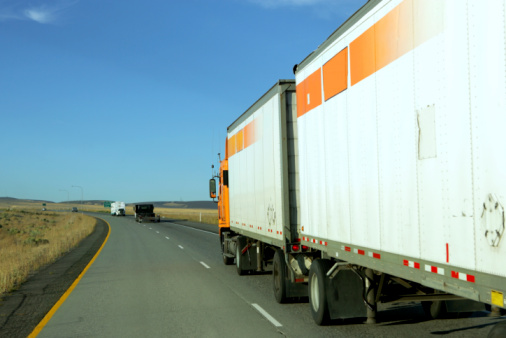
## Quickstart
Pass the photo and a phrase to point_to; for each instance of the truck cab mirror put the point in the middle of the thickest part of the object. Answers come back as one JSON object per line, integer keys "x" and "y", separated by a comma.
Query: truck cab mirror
{"x": 212, "y": 188}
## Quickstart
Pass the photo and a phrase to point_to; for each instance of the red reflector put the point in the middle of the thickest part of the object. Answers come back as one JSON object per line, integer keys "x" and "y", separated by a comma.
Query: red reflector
{"x": 405, "y": 262}
{"x": 433, "y": 269}
{"x": 347, "y": 248}
{"x": 417, "y": 265}
{"x": 304, "y": 248}
{"x": 376, "y": 255}
{"x": 361, "y": 252}
{"x": 470, "y": 278}
{"x": 295, "y": 247}
{"x": 455, "y": 274}
{"x": 299, "y": 280}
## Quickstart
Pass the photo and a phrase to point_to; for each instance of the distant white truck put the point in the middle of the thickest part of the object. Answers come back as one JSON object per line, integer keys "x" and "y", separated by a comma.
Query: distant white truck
{"x": 118, "y": 209}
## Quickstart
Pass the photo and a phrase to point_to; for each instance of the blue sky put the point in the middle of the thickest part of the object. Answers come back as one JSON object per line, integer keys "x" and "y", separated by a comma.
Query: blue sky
{"x": 130, "y": 100}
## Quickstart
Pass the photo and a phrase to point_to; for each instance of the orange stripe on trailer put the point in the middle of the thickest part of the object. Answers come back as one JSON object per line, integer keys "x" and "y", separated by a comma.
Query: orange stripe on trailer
{"x": 232, "y": 148}
{"x": 309, "y": 93}
{"x": 244, "y": 138}
{"x": 394, "y": 35}
{"x": 335, "y": 74}
{"x": 249, "y": 134}
{"x": 239, "y": 140}
{"x": 401, "y": 30}
{"x": 362, "y": 62}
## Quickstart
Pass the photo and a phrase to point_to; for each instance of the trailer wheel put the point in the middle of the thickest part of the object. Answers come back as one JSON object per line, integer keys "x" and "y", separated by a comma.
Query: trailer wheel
{"x": 226, "y": 260}
{"x": 279, "y": 276}
{"x": 317, "y": 291}
{"x": 238, "y": 254}
{"x": 435, "y": 309}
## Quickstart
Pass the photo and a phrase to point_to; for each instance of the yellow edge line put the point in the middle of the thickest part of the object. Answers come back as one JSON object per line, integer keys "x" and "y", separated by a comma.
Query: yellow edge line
{"x": 67, "y": 293}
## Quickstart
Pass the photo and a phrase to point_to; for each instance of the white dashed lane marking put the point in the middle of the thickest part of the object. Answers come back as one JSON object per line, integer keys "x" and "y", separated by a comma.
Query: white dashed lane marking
{"x": 267, "y": 315}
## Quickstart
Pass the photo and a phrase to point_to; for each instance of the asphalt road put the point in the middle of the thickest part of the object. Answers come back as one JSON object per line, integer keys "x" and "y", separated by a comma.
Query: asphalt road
{"x": 165, "y": 279}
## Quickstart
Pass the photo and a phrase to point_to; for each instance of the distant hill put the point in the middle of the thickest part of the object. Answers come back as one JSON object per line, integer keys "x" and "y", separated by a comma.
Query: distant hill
{"x": 17, "y": 200}
{"x": 158, "y": 204}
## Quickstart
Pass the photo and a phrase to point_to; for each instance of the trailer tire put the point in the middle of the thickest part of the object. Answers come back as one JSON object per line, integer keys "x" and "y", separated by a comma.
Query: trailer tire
{"x": 279, "y": 276}
{"x": 238, "y": 254}
{"x": 226, "y": 260}
{"x": 317, "y": 291}
{"x": 435, "y": 309}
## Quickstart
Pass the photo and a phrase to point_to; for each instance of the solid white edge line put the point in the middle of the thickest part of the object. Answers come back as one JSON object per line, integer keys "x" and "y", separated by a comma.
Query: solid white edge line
{"x": 205, "y": 265}
{"x": 158, "y": 232}
{"x": 189, "y": 227}
{"x": 266, "y": 315}
{"x": 167, "y": 237}
{"x": 180, "y": 246}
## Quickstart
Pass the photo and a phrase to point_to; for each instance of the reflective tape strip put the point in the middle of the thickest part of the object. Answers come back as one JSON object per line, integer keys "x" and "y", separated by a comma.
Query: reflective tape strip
{"x": 358, "y": 251}
{"x": 434, "y": 269}
{"x": 411, "y": 264}
{"x": 463, "y": 276}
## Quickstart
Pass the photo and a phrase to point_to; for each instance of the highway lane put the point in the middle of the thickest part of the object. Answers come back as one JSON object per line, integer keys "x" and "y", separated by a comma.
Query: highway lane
{"x": 164, "y": 279}
{"x": 145, "y": 284}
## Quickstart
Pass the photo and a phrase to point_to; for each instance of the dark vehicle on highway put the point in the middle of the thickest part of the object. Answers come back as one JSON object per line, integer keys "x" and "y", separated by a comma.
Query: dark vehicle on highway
{"x": 144, "y": 213}
{"x": 74, "y": 209}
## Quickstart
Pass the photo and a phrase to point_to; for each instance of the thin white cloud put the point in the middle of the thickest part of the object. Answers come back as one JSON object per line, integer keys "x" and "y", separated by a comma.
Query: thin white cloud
{"x": 42, "y": 13}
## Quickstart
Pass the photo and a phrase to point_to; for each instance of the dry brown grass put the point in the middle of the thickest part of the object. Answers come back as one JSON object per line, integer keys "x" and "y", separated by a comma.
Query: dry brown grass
{"x": 194, "y": 215}
{"x": 30, "y": 239}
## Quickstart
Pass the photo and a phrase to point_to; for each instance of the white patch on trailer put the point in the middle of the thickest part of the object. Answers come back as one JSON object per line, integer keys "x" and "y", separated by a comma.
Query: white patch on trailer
{"x": 427, "y": 133}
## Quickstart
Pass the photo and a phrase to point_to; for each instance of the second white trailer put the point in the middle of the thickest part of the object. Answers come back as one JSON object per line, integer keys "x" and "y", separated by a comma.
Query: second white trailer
{"x": 400, "y": 118}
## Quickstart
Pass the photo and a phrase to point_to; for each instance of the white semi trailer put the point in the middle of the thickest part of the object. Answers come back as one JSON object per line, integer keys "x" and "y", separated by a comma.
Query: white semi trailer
{"x": 118, "y": 208}
{"x": 377, "y": 175}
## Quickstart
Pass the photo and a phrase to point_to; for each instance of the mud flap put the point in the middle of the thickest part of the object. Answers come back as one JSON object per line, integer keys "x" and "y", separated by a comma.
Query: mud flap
{"x": 248, "y": 258}
{"x": 345, "y": 295}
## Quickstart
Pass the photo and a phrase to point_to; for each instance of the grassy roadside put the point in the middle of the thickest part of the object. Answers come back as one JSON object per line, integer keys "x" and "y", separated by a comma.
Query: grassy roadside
{"x": 30, "y": 239}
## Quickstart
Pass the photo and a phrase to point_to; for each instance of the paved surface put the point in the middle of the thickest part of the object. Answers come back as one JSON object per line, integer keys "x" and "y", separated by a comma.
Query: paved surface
{"x": 165, "y": 279}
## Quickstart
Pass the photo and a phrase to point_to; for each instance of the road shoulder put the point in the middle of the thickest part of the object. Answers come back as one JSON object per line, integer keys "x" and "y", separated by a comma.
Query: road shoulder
{"x": 23, "y": 309}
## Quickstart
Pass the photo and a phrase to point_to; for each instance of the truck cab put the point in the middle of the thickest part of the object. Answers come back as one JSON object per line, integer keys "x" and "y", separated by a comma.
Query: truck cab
{"x": 145, "y": 213}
